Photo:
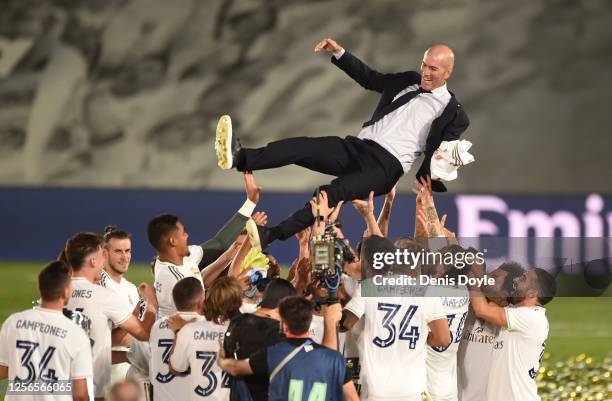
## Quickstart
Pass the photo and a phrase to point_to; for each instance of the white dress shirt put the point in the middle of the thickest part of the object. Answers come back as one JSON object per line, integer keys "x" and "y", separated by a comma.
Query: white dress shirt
{"x": 404, "y": 131}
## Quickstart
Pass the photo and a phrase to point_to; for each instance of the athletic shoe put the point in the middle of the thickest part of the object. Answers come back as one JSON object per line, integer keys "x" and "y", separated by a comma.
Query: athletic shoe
{"x": 258, "y": 235}
{"x": 226, "y": 144}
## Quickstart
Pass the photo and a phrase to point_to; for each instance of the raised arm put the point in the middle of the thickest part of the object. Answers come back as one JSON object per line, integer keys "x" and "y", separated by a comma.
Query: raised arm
{"x": 214, "y": 247}
{"x": 303, "y": 238}
{"x": 439, "y": 333}
{"x": 385, "y": 212}
{"x": 234, "y": 270}
{"x": 213, "y": 270}
{"x": 489, "y": 311}
{"x": 366, "y": 210}
{"x": 353, "y": 67}
{"x": 427, "y": 213}
{"x": 141, "y": 329}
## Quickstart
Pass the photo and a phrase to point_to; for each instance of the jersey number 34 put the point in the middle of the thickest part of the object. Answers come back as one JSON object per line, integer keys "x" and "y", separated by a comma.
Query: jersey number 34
{"x": 406, "y": 332}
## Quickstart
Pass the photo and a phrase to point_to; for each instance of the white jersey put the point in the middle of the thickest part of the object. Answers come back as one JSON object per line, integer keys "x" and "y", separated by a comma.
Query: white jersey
{"x": 166, "y": 386}
{"x": 351, "y": 343}
{"x": 516, "y": 358}
{"x": 442, "y": 361}
{"x": 474, "y": 357}
{"x": 392, "y": 346}
{"x": 43, "y": 346}
{"x": 317, "y": 327}
{"x": 317, "y": 330}
{"x": 197, "y": 344}
{"x": 103, "y": 308}
{"x": 167, "y": 274}
{"x": 127, "y": 289}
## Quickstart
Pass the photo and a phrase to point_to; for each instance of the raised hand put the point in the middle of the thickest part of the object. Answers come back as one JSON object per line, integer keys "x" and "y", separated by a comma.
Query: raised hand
{"x": 260, "y": 218}
{"x": 322, "y": 206}
{"x": 391, "y": 195}
{"x": 328, "y": 44}
{"x": 365, "y": 208}
{"x": 175, "y": 322}
{"x": 148, "y": 293}
{"x": 447, "y": 233}
{"x": 252, "y": 189}
{"x": 423, "y": 190}
{"x": 303, "y": 236}
{"x": 336, "y": 211}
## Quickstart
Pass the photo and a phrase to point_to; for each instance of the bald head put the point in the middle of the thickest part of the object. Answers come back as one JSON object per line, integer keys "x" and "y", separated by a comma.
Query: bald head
{"x": 437, "y": 66}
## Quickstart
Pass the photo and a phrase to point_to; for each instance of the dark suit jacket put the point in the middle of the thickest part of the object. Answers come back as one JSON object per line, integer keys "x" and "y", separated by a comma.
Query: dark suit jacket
{"x": 448, "y": 127}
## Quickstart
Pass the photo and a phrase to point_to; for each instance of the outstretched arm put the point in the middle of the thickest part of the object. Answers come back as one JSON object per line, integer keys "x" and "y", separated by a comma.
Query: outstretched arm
{"x": 427, "y": 213}
{"x": 489, "y": 311}
{"x": 385, "y": 212}
{"x": 214, "y": 247}
{"x": 366, "y": 210}
{"x": 353, "y": 67}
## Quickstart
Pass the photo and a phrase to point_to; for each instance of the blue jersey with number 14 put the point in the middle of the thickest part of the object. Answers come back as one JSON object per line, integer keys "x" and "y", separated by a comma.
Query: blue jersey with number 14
{"x": 316, "y": 373}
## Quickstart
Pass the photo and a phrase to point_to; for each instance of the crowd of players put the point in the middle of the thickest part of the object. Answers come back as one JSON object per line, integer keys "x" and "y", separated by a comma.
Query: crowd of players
{"x": 219, "y": 323}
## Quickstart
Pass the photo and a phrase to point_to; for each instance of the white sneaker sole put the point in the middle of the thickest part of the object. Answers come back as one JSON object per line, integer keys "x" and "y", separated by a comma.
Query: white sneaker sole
{"x": 223, "y": 143}
{"x": 253, "y": 234}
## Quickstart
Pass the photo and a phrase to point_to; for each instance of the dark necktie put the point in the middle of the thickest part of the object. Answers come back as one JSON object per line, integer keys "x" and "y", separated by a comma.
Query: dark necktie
{"x": 400, "y": 101}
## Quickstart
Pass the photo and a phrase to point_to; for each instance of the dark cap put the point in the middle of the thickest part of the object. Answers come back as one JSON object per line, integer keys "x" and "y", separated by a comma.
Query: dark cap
{"x": 275, "y": 291}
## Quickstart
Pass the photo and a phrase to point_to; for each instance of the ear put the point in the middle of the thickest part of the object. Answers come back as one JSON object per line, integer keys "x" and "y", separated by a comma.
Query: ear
{"x": 171, "y": 241}
{"x": 67, "y": 293}
{"x": 448, "y": 73}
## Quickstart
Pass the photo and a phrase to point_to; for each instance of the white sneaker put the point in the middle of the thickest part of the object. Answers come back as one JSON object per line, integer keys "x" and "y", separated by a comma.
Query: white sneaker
{"x": 253, "y": 234}
{"x": 223, "y": 143}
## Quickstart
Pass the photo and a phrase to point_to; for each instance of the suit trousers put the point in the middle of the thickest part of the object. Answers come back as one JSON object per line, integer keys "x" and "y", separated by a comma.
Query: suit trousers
{"x": 360, "y": 166}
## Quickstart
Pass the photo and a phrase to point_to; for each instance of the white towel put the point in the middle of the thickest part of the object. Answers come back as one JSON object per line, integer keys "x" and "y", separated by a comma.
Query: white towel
{"x": 448, "y": 158}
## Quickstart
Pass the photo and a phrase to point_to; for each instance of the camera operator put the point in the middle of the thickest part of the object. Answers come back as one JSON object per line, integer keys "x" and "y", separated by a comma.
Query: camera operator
{"x": 297, "y": 365}
{"x": 250, "y": 332}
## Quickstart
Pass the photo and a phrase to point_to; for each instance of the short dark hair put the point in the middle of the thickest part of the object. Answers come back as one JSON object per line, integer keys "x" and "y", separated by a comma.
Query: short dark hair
{"x": 513, "y": 270}
{"x": 407, "y": 243}
{"x": 223, "y": 297}
{"x": 112, "y": 232}
{"x": 53, "y": 280}
{"x": 369, "y": 248}
{"x": 296, "y": 313}
{"x": 159, "y": 228}
{"x": 547, "y": 286}
{"x": 186, "y": 293}
{"x": 63, "y": 258}
{"x": 80, "y": 246}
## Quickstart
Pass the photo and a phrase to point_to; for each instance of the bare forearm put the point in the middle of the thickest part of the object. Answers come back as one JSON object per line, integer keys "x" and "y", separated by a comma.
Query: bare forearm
{"x": 384, "y": 217}
{"x": 118, "y": 336}
{"x": 235, "y": 367}
{"x": 419, "y": 228}
{"x": 292, "y": 270}
{"x": 234, "y": 270}
{"x": 300, "y": 283}
{"x": 373, "y": 226}
{"x": 486, "y": 310}
{"x": 213, "y": 270}
{"x": 145, "y": 325}
{"x": 433, "y": 226}
{"x": 304, "y": 250}
{"x": 330, "y": 335}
